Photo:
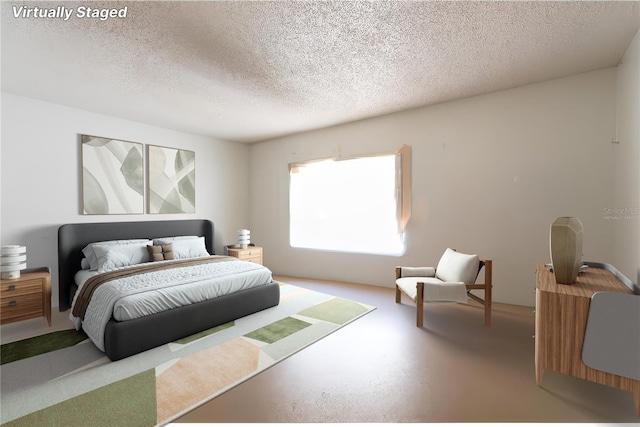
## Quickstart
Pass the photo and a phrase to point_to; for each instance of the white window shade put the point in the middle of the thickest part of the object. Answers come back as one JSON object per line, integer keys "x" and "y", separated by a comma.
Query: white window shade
{"x": 355, "y": 204}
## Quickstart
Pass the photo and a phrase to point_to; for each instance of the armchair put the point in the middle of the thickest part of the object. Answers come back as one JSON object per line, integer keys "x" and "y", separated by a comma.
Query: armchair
{"x": 451, "y": 281}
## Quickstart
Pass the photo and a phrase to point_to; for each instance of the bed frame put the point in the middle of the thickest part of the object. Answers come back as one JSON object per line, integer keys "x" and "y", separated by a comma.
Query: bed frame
{"x": 123, "y": 339}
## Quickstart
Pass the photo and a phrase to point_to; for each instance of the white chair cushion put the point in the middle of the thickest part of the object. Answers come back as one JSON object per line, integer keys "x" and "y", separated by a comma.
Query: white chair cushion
{"x": 435, "y": 290}
{"x": 409, "y": 285}
{"x": 458, "y": 267}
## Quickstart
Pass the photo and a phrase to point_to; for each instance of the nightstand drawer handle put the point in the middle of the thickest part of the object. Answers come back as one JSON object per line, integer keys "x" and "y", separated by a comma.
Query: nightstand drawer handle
{"x": 12, "y": 287}
{"x": 12, "y": 303}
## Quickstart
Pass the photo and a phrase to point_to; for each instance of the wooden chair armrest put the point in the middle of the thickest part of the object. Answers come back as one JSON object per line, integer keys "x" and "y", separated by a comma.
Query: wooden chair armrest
{"x": 488, "y": 270}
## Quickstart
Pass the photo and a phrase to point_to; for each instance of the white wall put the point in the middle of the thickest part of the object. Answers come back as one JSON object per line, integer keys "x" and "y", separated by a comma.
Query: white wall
{"x": 626, "y": 189}
{"x": 41, "y": 175}
{"x": 490, "y": 174}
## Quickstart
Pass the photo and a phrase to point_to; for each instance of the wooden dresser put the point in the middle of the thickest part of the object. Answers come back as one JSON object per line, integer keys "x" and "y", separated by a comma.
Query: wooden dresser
{"x": 251, "y": 254}
{"x": 561, "y": 320}
{"x": 27, "y": 297}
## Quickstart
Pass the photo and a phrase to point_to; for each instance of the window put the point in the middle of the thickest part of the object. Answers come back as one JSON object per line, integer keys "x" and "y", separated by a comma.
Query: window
{"x": 356, "y": 204}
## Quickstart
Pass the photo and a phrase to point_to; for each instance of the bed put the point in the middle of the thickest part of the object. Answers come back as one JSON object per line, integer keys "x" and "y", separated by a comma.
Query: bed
{"x": 126, "y": 338}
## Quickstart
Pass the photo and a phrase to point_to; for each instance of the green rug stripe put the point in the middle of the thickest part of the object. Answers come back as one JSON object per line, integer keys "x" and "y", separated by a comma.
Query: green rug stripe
{"x": 278, "y": 330}
{"x": 202, "y": 334}
{"x": 131, "y": 401}
{"x": 335, "y": 310}
{"x": 39, "y": 345}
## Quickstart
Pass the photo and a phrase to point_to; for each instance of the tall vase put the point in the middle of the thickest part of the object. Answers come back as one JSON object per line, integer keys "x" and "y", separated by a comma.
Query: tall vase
{"x": 565, "y": 241}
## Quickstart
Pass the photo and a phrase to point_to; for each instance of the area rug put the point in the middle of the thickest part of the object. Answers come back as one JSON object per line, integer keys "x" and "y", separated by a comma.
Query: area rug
{"x": 62, "y": 379}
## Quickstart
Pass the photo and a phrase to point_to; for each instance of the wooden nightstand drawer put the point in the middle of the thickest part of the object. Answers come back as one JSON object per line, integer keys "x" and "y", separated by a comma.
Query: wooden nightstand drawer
{"x": 251, "y": 254}
{"x": 256, "y": 258}
{"x": 11, "y": 289}
{"x": 27, "y": 297}
{"x": 21, "y": 307}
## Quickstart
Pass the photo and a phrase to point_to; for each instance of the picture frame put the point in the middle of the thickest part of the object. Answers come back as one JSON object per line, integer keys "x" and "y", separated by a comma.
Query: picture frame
{"x": 112, "y": 176}
{"x": 171, "y": 180}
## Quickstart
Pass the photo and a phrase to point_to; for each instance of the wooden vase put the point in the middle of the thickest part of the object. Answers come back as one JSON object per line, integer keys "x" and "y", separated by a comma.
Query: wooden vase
{"x": 565, "y": 241}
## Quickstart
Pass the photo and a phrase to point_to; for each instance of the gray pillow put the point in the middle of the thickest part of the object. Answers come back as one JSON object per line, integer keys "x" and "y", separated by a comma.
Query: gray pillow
{"x": 115, "y": 256}
{"x": 90, "y": 255}
{"x": 185, "y": 247}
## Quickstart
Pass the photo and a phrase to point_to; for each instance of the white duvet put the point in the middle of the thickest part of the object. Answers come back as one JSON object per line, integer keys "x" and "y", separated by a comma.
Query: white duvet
{"x": 148, "y": 293}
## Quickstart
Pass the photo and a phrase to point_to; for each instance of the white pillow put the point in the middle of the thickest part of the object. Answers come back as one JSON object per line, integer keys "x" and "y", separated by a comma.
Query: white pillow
{"x": 458, "y": 267}
{"x": 90, "y": 255}
{"x": 110, "y": 257}
{"x": 164, "y": 240}
{"x": 185, "y": 246}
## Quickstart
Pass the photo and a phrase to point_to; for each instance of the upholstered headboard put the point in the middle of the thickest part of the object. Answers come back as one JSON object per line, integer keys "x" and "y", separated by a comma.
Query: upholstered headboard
{"x": 72, "y": 238}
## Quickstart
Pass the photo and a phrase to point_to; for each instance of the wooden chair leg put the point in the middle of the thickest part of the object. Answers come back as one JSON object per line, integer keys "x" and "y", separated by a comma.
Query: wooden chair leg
{"x": 398, "y": 292}
{"x": 420, "y": 305}
{"x": 488, "y": 282}
{"x": 487, "y": 311}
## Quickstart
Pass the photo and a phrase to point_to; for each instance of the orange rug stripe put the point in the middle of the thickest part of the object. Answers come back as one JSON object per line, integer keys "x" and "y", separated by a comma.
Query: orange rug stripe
{"x": 196, "y": 377}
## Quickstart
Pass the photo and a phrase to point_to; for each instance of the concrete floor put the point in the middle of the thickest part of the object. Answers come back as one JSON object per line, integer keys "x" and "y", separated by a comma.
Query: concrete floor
{"x": 381, "y": 368}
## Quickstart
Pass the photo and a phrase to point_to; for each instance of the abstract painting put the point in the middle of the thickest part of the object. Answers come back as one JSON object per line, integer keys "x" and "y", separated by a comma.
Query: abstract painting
{"x": 112, "y": 176}
{"x": 172, "y": 180}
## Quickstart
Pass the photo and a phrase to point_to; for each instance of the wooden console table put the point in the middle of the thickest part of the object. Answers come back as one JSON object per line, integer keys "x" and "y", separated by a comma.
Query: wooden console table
{"x": 561, "y": 319}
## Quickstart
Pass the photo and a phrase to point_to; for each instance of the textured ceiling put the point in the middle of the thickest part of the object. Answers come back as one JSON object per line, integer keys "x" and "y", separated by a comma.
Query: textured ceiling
{"x": 249, "y": 71}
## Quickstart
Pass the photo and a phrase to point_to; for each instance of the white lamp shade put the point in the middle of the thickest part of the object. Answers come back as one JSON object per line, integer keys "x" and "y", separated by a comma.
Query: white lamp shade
{"x": 13, "y": 258}
{"x": 244, "y": 237}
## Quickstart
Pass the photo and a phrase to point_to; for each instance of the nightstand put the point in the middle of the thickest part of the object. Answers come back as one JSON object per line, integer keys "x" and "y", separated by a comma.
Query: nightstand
{"x": 27, "y": 297}
{"x": 251, "y": 254}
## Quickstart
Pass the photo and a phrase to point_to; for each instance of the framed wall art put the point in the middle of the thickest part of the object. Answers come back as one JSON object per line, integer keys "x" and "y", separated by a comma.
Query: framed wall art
{"x": 112, "y": 176}
{"x": 171, "y": 180}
